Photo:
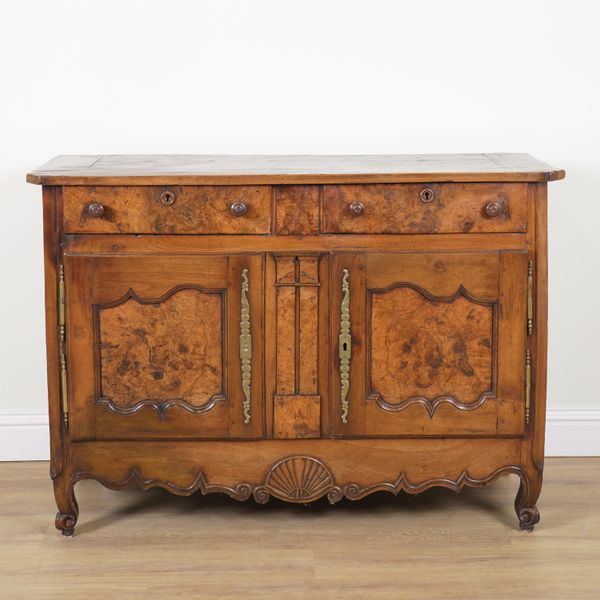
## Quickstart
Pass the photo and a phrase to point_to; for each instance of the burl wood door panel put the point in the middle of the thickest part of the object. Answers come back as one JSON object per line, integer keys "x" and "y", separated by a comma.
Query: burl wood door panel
{"x": 437, "y": 343}
{"x": 154, "y": 346}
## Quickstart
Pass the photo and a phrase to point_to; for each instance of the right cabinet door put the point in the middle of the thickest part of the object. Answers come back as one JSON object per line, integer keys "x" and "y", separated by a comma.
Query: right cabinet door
{"x": 429, "y": 343}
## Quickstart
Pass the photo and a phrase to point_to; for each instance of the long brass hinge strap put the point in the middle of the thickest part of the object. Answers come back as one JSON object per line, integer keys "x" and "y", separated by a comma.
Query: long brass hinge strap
{"x": 527, "y": 385}
{"x": 62, "y": 337}
{"x": 345, "y": 345}
{"x": 530, "y": 298}
{"x": 245, "y": 346}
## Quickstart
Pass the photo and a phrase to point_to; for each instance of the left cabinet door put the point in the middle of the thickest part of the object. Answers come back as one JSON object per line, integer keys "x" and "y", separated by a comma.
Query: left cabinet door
{"x": 164, "y": 346}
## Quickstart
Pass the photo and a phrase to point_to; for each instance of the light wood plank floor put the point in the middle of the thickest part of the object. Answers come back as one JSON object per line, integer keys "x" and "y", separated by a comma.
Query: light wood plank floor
{"x": 136, "y": 544}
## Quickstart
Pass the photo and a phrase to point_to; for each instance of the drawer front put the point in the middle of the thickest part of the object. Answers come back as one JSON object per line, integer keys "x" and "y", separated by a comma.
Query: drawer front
{"x": 425, "y": 208}
{"x": 167, "y": 210}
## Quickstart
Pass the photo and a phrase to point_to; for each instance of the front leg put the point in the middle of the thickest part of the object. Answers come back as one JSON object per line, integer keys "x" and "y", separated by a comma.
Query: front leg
{"x": 68, "y": 511}
{"x": 529, "y": 492}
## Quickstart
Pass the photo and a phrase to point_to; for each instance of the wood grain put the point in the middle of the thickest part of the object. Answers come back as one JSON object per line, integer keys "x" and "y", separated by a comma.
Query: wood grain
{"x": 194, "y": 209}
{"x": 437, "y": 249}
{"x": 297, "y": 417}
{"x": 454, "y": 208}
{"x": 430, "y": 348}
{"x": 219, "y": 169}
{"x": 297, "y": 209}
{"x": 162, "y": 350}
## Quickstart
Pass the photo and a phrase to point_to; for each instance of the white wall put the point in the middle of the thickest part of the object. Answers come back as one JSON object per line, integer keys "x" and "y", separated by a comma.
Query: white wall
{"x": 303, "y": 77}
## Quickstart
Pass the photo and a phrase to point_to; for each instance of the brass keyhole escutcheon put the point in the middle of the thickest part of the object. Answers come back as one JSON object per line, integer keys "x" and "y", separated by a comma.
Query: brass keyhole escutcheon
{"x": 427, "y": 195}
{"x": 167, "y": 198}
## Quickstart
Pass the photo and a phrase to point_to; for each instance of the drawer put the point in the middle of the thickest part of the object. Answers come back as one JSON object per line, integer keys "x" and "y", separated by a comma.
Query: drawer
{"x": 167, "y": 209}
{"x": 425, "y": 208}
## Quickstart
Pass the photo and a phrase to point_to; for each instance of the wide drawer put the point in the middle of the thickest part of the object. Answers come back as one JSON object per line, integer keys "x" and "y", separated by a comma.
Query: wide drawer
{"x": 167, "y": 210}
{"x": 425, "y": 208}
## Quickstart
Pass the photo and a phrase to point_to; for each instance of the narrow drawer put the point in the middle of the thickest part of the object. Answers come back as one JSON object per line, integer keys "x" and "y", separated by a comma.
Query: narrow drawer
{"x": 425, "y": 208}
{"x": 167, "y": 210}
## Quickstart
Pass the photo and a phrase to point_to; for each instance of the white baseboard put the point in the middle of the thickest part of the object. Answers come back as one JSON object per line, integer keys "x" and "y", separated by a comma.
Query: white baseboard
{"x": 574, "y": 432}
{"x": 24, "y": 436}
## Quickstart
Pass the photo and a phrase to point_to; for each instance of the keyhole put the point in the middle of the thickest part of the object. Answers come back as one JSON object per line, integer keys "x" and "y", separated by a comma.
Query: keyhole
{"x": 345, "y": 346}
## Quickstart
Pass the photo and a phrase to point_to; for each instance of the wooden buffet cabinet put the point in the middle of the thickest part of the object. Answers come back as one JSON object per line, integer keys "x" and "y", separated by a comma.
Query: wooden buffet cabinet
{"x": 296, "y": 327}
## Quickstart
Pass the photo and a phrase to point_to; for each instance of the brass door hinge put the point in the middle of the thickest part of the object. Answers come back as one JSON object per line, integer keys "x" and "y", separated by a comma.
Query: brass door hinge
{"x": 62, "y": 340}
{"x": 530, "y": 298}
{"x": 527, "y": 385}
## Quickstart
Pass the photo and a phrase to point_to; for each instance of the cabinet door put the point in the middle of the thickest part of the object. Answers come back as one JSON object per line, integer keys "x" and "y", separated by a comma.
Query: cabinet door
{"x": 164, "y": 346}
{"x": 429, "y": 344}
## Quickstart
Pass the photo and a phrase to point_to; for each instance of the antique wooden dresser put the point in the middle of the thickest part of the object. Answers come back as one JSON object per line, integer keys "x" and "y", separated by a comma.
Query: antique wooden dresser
{"x": 296, "y": 326}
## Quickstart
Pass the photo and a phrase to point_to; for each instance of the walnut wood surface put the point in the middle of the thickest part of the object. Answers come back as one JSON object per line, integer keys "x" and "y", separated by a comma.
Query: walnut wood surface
{"x": 220, "y": 169}
{"x": 454, "y": 208}
{"x": 297, "y": 417}
{"x": 438, "y": 324}
{"x": 193, "y": 209}
{"x": 162, "y": 350}
{"x": 172, "y": 304}
{"x": 297, "y": 209}
{"x": 430, "y": 348}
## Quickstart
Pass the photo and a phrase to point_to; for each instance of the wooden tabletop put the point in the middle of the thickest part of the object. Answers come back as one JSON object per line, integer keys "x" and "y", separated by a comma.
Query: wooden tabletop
{"x": 176, "y": 169}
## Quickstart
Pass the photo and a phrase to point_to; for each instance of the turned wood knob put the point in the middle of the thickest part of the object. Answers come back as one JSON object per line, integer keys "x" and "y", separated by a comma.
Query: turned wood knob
{"x": 356, "y": 209}
{"x": 96, "y": 210}
{"x": 493, "y": 209}
{"x": 238, "y": 208}
{"x": 167, "y": 198}
{"x": 427, "y": 195}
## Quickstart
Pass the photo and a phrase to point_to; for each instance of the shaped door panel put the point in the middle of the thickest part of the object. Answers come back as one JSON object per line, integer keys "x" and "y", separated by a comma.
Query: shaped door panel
{"x": 437, "y": 344}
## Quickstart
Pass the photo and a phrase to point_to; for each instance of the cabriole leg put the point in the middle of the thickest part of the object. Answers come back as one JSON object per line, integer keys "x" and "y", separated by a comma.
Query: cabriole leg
{"x": 529, "y": 492}
{"x": 68, "y": 511}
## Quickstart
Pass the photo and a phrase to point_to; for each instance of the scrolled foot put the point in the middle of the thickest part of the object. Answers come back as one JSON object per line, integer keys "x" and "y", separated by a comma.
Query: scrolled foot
{"x": 65, "y": 523}
{"x": 528, "y": 517}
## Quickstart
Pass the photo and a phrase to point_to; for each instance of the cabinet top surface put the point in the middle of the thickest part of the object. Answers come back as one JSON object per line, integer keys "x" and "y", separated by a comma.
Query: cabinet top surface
{"x": 177, "y": 169}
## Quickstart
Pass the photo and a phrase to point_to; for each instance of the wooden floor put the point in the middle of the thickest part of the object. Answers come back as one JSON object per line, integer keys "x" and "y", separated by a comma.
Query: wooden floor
{"x": 136, "y": 544}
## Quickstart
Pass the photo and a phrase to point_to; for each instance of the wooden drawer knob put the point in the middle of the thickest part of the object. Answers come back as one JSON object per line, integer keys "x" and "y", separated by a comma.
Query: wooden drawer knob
{"x": 167, "y": 198}
{"x": 493, "y": 209}
{"x": 238, "y": 208}
{"x": 427, "y": 195}
{"x": 95, "y": 210}
{"x": 356, "y": 209}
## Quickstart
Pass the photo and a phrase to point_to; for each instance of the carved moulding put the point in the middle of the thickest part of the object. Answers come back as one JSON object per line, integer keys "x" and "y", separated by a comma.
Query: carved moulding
{"x": 432, "y": 404}
{"x": 303, "y": 479}
{"x": 241, "y": 491}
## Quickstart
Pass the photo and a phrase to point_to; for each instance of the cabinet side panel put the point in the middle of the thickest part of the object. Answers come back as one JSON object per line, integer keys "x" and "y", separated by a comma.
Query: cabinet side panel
{"x": 541, "y": 324}
{"x": 52, "y": 219}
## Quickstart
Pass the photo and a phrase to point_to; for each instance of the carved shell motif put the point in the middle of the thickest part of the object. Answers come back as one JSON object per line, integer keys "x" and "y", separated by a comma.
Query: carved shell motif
{"x": 297, "y": 479}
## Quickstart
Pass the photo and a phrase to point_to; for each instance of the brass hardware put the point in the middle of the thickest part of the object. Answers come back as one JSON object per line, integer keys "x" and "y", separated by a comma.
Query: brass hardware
{"x": 96, "y": 210}
{"x": 427, "y": 195}
{"x": 167, "y": 198}
{"x": 63, "y": 389}
{"x": 356, "y": 209}
{"x": 345, "y": 343}
{"x": 62, "y": 340}
{"x": 527, "y": 385}
{"x": 61, "y": 304}
{"x": 530, "y": 298}
{"x": 493, "y": 209}
{"x": 238, "y": 208}
{"x": 245, "y": 346}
